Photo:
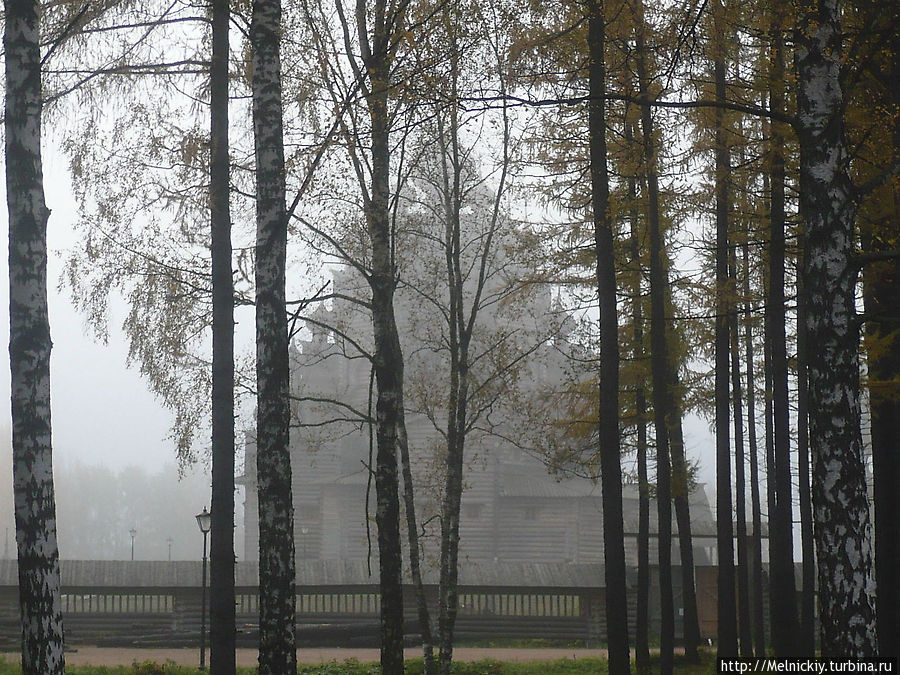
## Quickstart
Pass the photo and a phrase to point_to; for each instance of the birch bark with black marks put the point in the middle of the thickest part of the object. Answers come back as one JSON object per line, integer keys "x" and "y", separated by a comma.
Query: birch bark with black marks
{"x": 29, "y": 348}
{"x": 221, "y": 552}
{"x": 277, "y": 574}
{"x": 608, "y": 436}
{"x": 840, "y": 503}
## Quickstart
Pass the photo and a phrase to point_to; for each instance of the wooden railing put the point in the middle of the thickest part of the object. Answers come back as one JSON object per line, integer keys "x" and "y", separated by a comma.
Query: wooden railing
{"x": 159, "y": 604}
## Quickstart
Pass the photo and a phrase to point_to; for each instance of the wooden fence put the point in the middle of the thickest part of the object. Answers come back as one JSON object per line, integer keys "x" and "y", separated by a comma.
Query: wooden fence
{"x": 539, "y": 601}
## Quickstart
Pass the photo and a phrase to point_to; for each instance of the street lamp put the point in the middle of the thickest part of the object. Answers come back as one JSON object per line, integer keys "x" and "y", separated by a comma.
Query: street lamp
{"x": 169, "y": 541}
{"x": 203, "y": 520}
{"x": 132, "y": 532}
{"x": 303, "y": 531}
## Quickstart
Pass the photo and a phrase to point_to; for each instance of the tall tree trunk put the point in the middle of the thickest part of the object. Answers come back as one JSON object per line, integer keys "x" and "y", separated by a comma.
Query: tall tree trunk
{"x": 277, "y": 647}
{"x": 377, "y": 42}
{"x": 770, "y": 460}
{"x": 783, "y": 600}
{"x": 29, "y": 347}
{"x": 461, "y": 324}
{"x": 221, "y": 579}
{"x": 840, "y": 503}
{"x": 681, "y": 501}
{"x": 388, "y": 356}
{"x": 756, "y": 577}
{"x": 659, "y": 364}
{"x": 768, "y": 426}
{"x": 412, "y": 534}
{"x": 456, "y": 414}
{"x": 727, "y": 608}
{"x": 389, "y": 376}
{"x": 610, "y": 466}
{"x": 740, "y": 497}
{"x": 680, "y": 487}
{"x": 641, "y": 638}
{"x": 885, "y": 415}
{"x": 882, "y": 297}
{"x": 458, "y": 341}
{"x": 450, "y": 506}
{"x": 807, "y": 630}
{"x": 770, "y": 463}
{"x": 680, "y": 480}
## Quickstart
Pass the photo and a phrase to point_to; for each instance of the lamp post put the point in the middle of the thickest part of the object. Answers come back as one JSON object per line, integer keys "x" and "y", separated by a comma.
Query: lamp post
{"x": 169, "y": 541}
{"x": 203, "y": 520}
{"x": 303, "y": 531}
{"x": 132, "y": 532}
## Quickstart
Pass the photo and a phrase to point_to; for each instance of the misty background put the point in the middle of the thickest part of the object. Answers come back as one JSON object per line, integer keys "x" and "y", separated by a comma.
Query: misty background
{"x": 114, "y": 462}
{"x": 97, "y": 506}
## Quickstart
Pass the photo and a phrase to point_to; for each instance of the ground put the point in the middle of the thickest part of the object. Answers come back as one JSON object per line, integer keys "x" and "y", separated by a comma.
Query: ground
{"x": 101, "y": 656}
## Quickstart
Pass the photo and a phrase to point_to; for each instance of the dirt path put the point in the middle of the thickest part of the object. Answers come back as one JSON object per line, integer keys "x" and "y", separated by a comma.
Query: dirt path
{"x": 101, "y": 656}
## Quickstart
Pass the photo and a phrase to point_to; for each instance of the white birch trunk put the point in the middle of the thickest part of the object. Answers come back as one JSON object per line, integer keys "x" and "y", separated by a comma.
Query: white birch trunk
{"x": 277, "y": 650}
{"x": 840, "y": 502}
{"x": 29, "y": 347}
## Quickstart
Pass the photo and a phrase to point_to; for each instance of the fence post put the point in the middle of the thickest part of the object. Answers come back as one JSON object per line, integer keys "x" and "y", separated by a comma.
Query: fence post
{"x": 592, "y": 609}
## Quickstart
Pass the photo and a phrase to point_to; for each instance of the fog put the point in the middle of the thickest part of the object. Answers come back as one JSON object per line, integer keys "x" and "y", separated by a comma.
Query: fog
{"x": 102, "y": 411}
{"x": 98, "y": 506}
{"x": 115, "y": 465}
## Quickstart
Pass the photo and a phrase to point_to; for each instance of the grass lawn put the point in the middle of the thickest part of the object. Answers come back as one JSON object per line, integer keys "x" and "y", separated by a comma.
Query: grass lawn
{"x": 413, "y": 667}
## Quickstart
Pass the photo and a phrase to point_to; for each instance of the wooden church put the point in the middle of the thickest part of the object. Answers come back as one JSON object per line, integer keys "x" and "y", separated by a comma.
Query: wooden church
{"x": 513, "y": 508}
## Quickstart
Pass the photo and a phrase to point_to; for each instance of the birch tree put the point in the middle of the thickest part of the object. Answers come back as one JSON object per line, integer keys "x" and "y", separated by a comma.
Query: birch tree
{"x": 478, "y": 295}
{"x": 277, "y": 576}
{"x": 840, "y": 504}
{"x": 29, "y": 347}
{"x": 376, "y": 35}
